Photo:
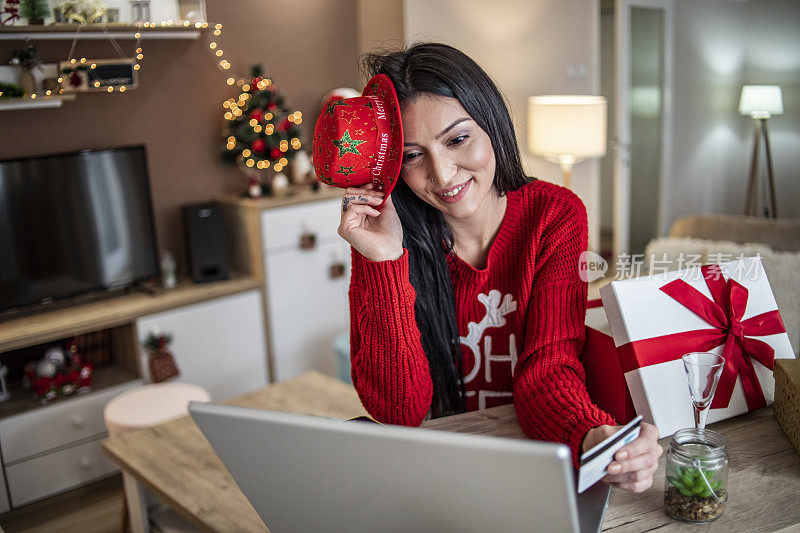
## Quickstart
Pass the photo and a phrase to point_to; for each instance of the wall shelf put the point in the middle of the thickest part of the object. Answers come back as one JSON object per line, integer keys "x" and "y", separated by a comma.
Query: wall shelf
{"x": 40, "y": 102}
{"x": 95, "y": 31}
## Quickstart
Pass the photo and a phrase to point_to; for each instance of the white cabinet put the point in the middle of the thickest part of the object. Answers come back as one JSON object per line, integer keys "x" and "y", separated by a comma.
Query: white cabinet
{"x": 306, "y": 287}
{"x": 217, "y": 344}
{"x": 55, "y": 448}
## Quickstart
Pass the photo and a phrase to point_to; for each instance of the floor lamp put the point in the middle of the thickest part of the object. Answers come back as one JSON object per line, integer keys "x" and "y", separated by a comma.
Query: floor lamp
{"x": 567, "y": 129}
{"x": 761, "y": 102}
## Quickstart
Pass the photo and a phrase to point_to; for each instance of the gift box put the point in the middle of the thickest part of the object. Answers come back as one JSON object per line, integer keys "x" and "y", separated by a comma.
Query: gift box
{"x": 787, "y": 399}
{"x": 727, "y": 309}
{"x": 605, "y": 380}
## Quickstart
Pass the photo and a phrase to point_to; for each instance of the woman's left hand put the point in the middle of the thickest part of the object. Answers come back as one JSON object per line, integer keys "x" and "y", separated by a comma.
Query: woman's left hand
{"x": 635, "y": 463}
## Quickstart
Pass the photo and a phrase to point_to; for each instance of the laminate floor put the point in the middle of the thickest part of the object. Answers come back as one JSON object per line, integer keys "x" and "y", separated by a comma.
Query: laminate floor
{"x": 95, "y": 508}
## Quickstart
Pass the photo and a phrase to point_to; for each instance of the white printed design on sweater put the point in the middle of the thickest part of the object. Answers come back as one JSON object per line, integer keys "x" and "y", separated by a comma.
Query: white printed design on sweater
{"x": 496, "y": 311}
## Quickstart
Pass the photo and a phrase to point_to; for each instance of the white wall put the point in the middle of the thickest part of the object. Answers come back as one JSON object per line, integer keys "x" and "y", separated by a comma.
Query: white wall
{"x": 528, "y": 47}
{"x": 721, "y": 45}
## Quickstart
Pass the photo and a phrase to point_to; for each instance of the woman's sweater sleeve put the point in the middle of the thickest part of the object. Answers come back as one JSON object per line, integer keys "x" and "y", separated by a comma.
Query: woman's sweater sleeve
{"x": 388, "y": 365}
{"x": 549, "y": 382}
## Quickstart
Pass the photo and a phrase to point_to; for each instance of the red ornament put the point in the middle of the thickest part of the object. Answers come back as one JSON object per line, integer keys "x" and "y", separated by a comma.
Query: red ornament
{"x": 285, "y": 125}
{"x": 275, "y": 153}
{"x": 75, "y": 79}
{"x": 259, "y": 145}
{"x": 255, "y": 80}
{"x": 272, "y": 106}
{"x": 256, "y": 115}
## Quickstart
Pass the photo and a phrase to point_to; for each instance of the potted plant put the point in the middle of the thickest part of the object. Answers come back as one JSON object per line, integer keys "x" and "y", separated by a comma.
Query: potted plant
{"x": 35, "y": 11}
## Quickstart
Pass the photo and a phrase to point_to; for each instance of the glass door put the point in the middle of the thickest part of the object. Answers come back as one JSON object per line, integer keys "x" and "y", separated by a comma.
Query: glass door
{"x": 643, "y": 61}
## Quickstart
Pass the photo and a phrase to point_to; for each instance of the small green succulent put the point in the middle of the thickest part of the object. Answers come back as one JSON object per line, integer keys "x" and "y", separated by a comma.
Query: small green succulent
{"x": 689, "y": 481}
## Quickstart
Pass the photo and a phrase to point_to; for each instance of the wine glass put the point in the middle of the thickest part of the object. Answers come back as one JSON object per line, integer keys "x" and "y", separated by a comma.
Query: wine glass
{"x": 703, "y": 370}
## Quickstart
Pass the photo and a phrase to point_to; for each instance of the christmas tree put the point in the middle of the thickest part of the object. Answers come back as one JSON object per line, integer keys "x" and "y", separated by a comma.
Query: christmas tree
{"x": 261, "y": 132}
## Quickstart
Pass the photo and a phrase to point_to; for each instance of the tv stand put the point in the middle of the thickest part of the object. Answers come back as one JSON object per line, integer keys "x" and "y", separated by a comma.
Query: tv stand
{"x": 48, "y": 448}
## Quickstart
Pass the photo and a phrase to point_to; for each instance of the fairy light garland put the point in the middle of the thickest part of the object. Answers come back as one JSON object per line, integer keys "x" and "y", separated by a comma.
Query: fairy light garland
{"x": 139, "y": 54}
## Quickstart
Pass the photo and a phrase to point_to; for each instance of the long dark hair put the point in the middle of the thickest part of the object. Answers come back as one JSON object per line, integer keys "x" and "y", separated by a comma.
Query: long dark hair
{"x": 442, "y": 70}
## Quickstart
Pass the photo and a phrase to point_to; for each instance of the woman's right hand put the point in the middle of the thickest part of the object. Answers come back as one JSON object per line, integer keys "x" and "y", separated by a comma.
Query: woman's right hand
{"x": 377, "y": 235}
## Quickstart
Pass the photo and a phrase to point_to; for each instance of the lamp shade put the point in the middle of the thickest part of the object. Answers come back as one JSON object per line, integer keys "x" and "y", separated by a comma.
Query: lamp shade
{"x": 572, "y": 126}
{"x": 761, "y": 101}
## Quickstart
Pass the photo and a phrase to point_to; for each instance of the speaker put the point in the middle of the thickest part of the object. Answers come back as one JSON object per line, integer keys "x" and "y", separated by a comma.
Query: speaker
{"x": 206, "y": 249}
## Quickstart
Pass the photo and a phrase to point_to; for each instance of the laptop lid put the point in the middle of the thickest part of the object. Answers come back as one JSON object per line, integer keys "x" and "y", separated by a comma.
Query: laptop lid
{"x": 304, "y": 473}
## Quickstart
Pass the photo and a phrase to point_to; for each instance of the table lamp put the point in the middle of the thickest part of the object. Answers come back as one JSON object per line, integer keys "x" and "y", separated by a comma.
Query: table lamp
{"x": 567, "y": 129}
{"x": 761, "y": 102}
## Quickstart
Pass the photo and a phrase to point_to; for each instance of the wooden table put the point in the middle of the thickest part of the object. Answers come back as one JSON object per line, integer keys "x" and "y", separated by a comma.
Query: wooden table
{"x": 176, "y": 462}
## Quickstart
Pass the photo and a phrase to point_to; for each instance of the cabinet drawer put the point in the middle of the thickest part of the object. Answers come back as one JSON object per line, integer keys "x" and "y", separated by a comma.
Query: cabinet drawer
{"x": 56, "y": 425}
{"x": 282, "y": 227}
{"x": 55, "y": 472}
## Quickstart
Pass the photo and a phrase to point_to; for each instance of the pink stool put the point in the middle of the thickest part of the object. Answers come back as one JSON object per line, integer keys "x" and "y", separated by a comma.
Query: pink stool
{"x": 140, "y": 408}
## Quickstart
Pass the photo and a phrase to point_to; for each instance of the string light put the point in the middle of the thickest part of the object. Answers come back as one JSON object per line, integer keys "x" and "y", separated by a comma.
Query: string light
{"x": 250, "y": 162}
{"x": 245, "y": 87}
{"x": 231, "y": 81}
{"x": 212, "y": 45}
{"x": 246, "y": 152}
{"x": 257, "y": 128}
{"x": 110, "y": 89}
{"x": 122, "y": 89}
{"x": 283, "y": 161}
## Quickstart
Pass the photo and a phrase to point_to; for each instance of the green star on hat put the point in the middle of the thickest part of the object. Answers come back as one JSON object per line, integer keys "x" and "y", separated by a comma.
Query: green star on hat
{"x": 346, "y": 144}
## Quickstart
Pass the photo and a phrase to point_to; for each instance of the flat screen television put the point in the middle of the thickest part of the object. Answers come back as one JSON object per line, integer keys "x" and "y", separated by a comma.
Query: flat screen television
{"x": 74, "y": 223}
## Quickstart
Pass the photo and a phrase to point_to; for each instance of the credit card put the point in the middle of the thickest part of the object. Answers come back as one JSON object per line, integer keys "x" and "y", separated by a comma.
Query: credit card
{"x": 594, "y": 463}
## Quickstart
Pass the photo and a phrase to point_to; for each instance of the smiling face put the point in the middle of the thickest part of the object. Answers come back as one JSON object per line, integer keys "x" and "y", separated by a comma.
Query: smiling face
{"x": 443, "y": 142}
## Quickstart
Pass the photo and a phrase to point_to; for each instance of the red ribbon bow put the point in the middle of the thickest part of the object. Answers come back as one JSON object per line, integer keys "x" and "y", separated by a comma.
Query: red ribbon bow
{"x": 724, "y": 313}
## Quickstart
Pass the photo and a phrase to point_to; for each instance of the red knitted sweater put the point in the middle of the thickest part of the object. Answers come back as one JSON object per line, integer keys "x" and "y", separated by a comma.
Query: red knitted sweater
{"x": 521, "y": 321}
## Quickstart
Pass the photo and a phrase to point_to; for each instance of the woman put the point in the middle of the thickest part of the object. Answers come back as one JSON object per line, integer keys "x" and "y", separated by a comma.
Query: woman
{"x": 465, "y": 291}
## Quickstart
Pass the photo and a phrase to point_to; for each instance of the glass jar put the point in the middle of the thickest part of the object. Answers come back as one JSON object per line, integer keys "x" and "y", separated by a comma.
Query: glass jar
{"x": 696, "y": 486}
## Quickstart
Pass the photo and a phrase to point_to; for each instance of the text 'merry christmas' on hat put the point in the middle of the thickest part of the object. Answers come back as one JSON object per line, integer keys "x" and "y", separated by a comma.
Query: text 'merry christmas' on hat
{"x": 358, "y": 141}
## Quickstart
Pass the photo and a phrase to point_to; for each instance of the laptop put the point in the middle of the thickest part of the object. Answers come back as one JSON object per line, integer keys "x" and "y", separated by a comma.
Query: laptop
{"x": 304, "y": 473}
